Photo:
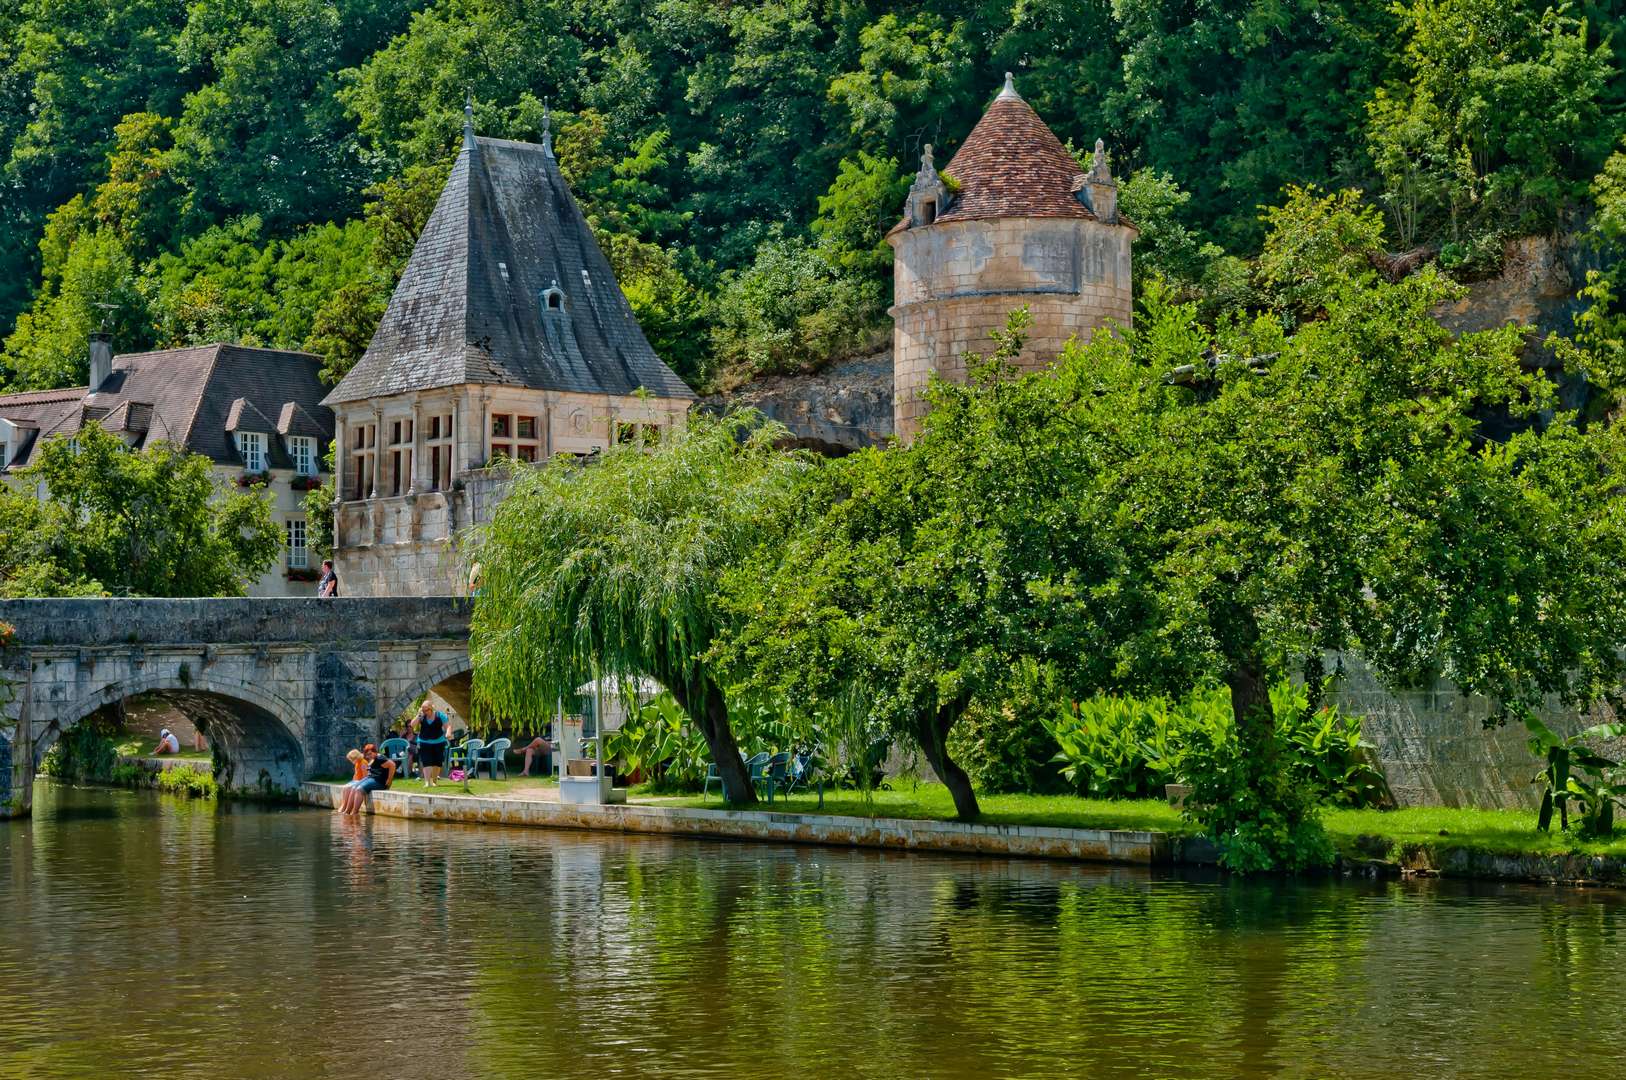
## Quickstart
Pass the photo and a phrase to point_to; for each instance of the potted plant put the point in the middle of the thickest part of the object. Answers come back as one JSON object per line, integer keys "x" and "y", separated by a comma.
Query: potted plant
{"x": 249, "y": 479}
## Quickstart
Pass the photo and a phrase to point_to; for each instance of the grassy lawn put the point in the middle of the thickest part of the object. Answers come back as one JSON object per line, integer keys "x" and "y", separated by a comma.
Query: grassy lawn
{"x": 932, "y": 801}
{"x": 1501, "y": 831}
{"x": 142, "y": 747}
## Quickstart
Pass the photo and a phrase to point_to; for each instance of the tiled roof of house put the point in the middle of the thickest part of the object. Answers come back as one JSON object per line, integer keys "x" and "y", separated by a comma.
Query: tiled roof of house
{"x": 183, "y": 396}
{"x": 470, "y": 306}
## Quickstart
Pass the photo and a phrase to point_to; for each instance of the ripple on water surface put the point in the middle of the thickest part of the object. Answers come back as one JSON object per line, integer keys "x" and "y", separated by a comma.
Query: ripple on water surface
{"x": 144, "y": 936}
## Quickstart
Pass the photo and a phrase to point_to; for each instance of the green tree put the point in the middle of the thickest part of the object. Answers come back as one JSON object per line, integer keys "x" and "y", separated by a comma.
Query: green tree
{"x": 612, "y": 571}
{"x": 1498, "y": 124}
{"x": 153, "y": 523}
{"x": 863, "y": 202}
{"x": 930, "y": 571}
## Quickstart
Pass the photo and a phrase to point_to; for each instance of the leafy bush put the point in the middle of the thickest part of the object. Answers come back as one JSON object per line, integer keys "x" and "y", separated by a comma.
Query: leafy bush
{"x": 130, "y": 774}
{"x": 1260, "y": 817}
{"x": 1009, "y": 749}
{"x": 1127, "y": 748}
{"x": 81, "y": 753}
{"x": 189, "y": 781}
{"x": 791, "y": 310}
{"x": 659, "y": 741}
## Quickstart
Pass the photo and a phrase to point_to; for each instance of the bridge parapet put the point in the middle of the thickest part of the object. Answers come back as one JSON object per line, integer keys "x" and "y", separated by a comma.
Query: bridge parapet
{"x": 234, "y": 620}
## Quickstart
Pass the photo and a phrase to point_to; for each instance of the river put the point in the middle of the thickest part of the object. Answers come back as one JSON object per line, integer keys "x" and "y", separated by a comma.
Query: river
{"x": 141, "y": 935}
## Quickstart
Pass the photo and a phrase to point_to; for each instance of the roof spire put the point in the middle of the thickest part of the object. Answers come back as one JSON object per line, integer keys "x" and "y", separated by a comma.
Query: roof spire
{"x": 547, "y": 129}
{"x": 1010, "y": 89}
{"x": 468, "y": 120}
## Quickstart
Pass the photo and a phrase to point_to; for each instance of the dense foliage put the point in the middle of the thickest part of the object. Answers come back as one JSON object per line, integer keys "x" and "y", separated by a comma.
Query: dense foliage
{"x": 152, "y": 523}
{"x": 256, "y": 171}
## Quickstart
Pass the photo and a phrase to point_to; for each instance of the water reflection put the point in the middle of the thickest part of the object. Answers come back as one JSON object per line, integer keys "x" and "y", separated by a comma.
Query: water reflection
{"x": 146, "y": 936}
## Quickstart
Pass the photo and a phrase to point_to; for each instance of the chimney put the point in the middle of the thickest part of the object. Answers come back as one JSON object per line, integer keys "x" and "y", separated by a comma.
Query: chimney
{"x": 101, "y": 359}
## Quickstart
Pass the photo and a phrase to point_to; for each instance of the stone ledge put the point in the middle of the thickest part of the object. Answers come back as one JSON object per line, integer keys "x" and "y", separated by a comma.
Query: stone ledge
{"x": 1093, "y": 845}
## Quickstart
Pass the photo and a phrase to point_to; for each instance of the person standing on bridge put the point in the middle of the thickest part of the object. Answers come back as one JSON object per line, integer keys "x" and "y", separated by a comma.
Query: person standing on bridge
{"x": 430, "y": 726}
{"x": 327, "y": 586}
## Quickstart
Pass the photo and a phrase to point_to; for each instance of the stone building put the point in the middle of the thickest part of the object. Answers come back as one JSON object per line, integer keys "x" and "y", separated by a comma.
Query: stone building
{"x": 507, "y": 337}
{"x": 252, "y": 412}
{"x": 1011, "y": 222}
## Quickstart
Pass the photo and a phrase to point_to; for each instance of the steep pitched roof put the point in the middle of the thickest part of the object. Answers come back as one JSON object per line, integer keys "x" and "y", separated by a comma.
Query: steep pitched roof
{"x": 183, "y": 396}
{"x": 469, "y": 307}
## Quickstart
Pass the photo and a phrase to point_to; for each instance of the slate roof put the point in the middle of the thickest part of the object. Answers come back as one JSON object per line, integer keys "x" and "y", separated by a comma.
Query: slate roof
{"x": 469, "y": 307}
{"x": 184, "y": 396}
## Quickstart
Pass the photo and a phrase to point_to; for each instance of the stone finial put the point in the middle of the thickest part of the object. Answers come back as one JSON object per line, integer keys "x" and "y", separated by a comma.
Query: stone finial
{"x": 1009, "y": 90}
{"x": 547, "y": 129}
{"x": 928, "y": 195}
{"x": 468, "y": 121}
{"x": 1097, "y": 189}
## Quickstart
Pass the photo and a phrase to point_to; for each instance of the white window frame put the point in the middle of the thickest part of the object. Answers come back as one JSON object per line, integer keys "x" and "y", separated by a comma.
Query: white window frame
{"x": 302, "y": 448}
{"x": 251, "y": 444}
{"x": 299, "y": 554}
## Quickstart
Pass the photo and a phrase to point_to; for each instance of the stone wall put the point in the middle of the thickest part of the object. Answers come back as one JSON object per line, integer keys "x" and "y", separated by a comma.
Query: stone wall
{"x": 955, "y": 283}
{"x": 836, "y": 410}
{"x": 1433, "y": 748}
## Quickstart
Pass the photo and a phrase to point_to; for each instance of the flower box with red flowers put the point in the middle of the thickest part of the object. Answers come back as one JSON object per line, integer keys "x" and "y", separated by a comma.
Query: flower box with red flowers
{"x": 249, "y": 479}
{"x": 303, "y": 573}
{"x": 306, "y": 483}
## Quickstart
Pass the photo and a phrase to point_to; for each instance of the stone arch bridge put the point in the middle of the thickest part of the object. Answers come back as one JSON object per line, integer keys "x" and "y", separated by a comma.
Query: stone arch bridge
{"x": 282, "y": 686}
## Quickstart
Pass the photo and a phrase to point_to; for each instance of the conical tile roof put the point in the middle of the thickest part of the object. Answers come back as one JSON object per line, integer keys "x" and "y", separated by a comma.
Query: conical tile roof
{"x": 1012, "y": 165}
{"x": 470, "y": 306}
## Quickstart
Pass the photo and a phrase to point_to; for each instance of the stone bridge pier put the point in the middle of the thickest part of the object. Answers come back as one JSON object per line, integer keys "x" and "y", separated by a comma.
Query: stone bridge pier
{"x": 281, "y": 686}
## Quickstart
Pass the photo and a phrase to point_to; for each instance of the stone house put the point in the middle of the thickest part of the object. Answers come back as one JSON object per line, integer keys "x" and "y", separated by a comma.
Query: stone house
{"x": 251, "y": 412}
{"x": 507, "y": 337}
{"x": 1011, "y": 222}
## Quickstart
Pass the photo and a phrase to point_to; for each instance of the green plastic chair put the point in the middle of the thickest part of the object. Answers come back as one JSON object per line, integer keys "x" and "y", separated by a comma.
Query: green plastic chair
{"x": 493, "y": 756}
{"x": 463, "y": 755}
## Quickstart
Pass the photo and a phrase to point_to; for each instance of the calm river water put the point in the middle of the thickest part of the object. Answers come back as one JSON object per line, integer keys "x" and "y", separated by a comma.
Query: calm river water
{"x": 144, "y": 936}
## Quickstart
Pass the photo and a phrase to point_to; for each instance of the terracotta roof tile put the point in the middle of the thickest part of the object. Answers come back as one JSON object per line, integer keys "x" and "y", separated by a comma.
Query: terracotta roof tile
{"x": 1012, "y": 165}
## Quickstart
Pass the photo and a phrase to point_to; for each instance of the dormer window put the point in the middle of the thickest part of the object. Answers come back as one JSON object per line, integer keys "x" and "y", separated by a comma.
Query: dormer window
{"x": 302, "y": 448}
{"x": 553, "y": 298}
{"x": 251, "y": 445}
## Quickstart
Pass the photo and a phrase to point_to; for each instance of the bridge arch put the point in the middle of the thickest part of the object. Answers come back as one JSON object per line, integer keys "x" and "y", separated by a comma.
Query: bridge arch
{"x": 257, "y": 734}
{"x": 452, "y": 679}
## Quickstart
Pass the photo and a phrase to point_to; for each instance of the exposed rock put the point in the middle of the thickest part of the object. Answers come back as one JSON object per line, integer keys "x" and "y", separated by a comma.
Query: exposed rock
{"x": 835, "y": 411}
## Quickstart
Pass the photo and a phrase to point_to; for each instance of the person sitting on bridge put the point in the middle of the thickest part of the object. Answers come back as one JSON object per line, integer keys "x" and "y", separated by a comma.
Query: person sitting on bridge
{"x": 532, "y": 749}
{"x": 167, "y": 743}
{"x": 350, "y": 795}
{"x": 380, "y": 774}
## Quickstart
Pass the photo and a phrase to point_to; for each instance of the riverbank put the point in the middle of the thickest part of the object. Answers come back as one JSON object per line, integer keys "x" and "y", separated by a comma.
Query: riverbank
{"x": 1468, "y": 844}
{"x": 1132, "y": 846}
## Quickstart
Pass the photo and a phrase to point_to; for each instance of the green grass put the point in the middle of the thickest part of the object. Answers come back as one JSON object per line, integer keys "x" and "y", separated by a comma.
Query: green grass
{"x": 1508, "y": 832}
{"x": 932, "y": 801}
{"x": 142, "y": 747}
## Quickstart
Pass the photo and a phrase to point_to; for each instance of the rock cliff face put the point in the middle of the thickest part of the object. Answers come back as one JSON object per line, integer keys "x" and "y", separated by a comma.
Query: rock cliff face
{"x": 843, "y": 408}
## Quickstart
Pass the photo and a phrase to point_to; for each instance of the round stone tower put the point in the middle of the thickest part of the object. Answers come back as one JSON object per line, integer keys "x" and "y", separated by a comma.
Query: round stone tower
{"x": 1011, "y": 222}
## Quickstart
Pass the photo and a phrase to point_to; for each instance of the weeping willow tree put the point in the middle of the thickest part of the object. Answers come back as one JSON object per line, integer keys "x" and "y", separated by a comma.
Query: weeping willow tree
{"x": 611, "y": 570}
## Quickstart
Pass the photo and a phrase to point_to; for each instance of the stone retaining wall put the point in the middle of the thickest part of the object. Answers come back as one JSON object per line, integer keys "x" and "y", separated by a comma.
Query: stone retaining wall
{"x": 1093, "y": 845}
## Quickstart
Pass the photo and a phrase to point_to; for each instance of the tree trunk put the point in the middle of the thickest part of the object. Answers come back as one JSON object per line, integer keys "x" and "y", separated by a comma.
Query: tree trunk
{"x": 931, "y": 730}
{"x": 706, "y": 707}
{"x": 1255, "y": 720}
